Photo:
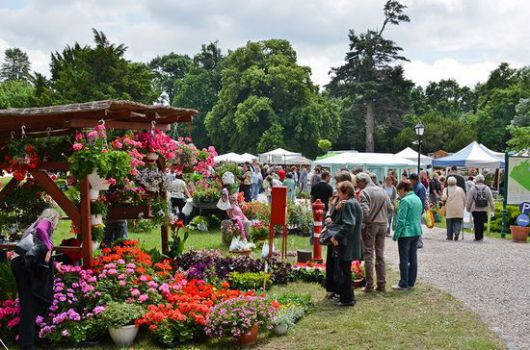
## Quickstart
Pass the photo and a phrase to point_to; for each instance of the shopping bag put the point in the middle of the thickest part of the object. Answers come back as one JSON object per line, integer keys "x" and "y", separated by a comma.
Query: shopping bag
{"x": 188, "y": 207}
{"x": 428, "y": 217}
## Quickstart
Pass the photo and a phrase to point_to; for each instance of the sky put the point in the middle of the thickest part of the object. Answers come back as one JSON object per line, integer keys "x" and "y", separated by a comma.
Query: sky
{"x": 460, "y": 39}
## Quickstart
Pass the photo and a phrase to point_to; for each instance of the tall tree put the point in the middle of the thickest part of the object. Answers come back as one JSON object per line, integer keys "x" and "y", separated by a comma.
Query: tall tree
{"x": 267, "y": 100}
{"x": 200, "y": 88}
{"x": 84, "y": 73}
{"x": 16, "y": 65}
{"x": 449, "y": 98}
{"x": 370, "y": 75}
{"x": 169, "y": 71}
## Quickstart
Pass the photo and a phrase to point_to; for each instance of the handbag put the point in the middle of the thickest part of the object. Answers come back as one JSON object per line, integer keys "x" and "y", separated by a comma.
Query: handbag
{"x": 329, "y": 232}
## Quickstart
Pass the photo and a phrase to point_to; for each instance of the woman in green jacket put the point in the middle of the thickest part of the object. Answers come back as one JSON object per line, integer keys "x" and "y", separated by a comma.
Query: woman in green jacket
{"x": 347, "y": 242}
{"x": 408, "y": 232}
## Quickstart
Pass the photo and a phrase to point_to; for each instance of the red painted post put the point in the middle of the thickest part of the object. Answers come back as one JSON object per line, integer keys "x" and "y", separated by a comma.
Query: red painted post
{"x": 318, "y": 216}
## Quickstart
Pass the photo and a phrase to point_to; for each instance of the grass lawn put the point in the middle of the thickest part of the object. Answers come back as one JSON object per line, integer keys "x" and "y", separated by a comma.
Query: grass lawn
{"x": 424, "y": 318}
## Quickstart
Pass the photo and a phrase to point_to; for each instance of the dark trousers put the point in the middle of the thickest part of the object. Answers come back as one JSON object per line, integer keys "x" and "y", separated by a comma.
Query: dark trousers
{"x": 330, "y": 271}
{"x": 408, "y": 260}
{"x": 28, "y": 304}
{"x": 344, "y": 281}
{"x": 178, "y": 203}
{"x": 115, "y": 230}
{"x": 247, "y": 193}
{"x": 479, "y": 218}
{"x": 454, "y": 226}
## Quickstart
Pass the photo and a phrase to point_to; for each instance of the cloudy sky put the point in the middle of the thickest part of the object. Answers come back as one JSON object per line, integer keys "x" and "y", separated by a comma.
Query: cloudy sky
{"x": 461, "y": 39}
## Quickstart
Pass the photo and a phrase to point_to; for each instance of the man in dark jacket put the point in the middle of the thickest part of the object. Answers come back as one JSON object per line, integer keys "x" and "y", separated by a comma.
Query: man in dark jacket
{"x": 347, "y": 242}
{"x": 322, "y": 190}
{"x": 460, "y": 181}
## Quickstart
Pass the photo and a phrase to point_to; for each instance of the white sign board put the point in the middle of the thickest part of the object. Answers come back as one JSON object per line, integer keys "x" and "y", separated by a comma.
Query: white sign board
{"x": 518, "y": 180}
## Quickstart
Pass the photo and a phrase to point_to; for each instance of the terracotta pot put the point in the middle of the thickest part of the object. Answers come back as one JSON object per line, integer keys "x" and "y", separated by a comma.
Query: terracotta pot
{"x": 250, "y": 337}
{"x": 358, "y": 283}
{"x": 519, "y": 233}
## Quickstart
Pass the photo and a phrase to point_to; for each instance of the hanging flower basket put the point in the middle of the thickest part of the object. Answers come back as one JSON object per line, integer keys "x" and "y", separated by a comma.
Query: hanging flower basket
{"x": 152, "y": 156}
{"x": 96, "y": 219}
{"x": 97, "y": 182}
{"x": 520, "y": 233}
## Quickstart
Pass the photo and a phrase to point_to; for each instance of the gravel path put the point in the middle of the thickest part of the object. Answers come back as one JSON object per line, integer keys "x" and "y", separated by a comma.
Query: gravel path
{"x": 491, "y": 278}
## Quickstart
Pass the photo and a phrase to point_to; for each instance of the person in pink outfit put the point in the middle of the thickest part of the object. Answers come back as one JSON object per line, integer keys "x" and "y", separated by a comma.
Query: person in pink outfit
{"x": 229, "y": 203}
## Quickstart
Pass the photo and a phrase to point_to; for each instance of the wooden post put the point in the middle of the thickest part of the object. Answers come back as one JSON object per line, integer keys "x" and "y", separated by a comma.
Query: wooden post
{"x": 164, "y": 230}
{"x": 86, "y": 229}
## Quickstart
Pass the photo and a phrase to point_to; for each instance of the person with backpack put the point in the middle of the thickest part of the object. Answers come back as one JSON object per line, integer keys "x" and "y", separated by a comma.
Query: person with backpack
{"x": 479, "y": 202}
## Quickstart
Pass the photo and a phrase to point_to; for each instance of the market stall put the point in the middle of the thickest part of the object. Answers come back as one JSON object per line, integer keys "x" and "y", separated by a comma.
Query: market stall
{"x": 378, "y": 163}
{"x": 87, "y": 152}
{"x": 410, "y": 154}
{"x": 277, "y": 156}
{"x": 473, "y": 155}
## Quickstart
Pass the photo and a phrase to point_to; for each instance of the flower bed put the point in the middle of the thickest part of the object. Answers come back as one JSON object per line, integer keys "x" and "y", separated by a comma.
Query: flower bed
{"x": 176, "y": 302}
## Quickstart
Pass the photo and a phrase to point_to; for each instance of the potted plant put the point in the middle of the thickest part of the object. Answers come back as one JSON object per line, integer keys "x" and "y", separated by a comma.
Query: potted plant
{"x": 521, "y": 231}
{"x": 177, "y": 244}
{"x": 153, "y": 180}
{"x": 357, "y": 269}
{"x": 98, "y": 211}
{"x": 119, "y": 317}
{"x": 92, "y": 158}
{"x": 286, "y": 318}
{"x": 98, "y": 233}
{"x": 241, "y": 318}
{"x": 157, "y": 143}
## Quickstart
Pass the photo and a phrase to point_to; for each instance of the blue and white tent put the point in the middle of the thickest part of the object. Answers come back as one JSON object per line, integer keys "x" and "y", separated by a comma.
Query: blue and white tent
{"x": 473, "y": 155}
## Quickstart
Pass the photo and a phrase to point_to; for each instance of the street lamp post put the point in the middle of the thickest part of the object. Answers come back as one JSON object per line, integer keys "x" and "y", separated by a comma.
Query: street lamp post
{"x": 420, "y": 129}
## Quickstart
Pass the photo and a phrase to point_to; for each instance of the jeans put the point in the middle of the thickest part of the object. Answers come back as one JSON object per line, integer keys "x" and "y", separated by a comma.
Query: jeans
{"x": 454, "y": 225}
{"x": 28, "y": 304}
{"x": 408, "y": 261}
{"x": 254, "y": 191}
{"x": 115, "y": 230}
{"x": 373, "y": 237}
{"x": 479, "y": 218}
{"x": 246, "y": 192}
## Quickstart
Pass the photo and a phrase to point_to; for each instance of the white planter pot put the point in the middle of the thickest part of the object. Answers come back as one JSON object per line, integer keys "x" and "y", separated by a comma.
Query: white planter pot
{"x": 97, "y": 182}
{"x": 95, "y": 246}
{"x": 96, "y": 219}
{"x": 280, "y": 329}
{"x": 93, "y": 194}
{"x": 152, "y": 156}
{"x": 123, "y": 336}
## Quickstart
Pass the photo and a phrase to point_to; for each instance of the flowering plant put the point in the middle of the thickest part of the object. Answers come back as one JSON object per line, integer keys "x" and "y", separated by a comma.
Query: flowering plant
{"x": 157, "y": 141}
{"x": 177, "y": 244}
{"x": 131, "y": 146}
{"x": 259, "y": 231}
{"x": 153, "y": 180}
{"x": 92, "y": 152}
{"x": 357, "y": 269}
{"x": 19, "y": 157}
{"x": 235, "y": 317}
{"x": 257, "y": 211}
{"x": 9, "y": 318}
{"x": 98, "y": 232}
{"x": 119, "y": 314}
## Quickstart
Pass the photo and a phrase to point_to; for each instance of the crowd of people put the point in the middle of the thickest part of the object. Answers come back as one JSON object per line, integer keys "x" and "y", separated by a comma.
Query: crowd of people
{"x": 362, "y": 211}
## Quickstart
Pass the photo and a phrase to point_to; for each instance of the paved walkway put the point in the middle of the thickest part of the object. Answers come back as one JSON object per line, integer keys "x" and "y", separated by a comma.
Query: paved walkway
{"x": 491, "y": 278}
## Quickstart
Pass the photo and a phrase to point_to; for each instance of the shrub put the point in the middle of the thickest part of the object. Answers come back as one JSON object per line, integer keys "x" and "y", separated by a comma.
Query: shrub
{"x": 301, "y": 300}
{"x": 8, "y": 287}
{"x": 299, "y": 219}
{"x": 250, "y": 280}
{"x": 512, "y": 211}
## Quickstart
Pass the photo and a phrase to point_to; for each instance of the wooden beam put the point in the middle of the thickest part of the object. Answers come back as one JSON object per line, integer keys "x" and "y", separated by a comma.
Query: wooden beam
{"x": 58, "y": 196}
{"x": 55, "y": 166}
{"x": 114, "y": 124}
{"x": 85, "y": 228}
{"x": 8, "y": 188}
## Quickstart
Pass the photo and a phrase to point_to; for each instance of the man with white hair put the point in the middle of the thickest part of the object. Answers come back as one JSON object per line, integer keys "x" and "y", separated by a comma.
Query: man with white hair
{"x": 375, "y": 204}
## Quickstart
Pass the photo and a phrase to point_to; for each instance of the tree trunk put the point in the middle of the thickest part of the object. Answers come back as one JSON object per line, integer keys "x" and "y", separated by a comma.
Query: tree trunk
{"x": 369, "y": 120}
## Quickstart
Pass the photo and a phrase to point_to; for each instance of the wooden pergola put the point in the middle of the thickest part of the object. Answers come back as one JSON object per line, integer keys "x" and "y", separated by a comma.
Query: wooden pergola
{"x": 68, "y": 119}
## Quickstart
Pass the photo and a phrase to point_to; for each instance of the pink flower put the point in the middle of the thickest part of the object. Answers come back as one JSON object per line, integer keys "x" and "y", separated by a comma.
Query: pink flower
{"x": 143, "y": 298}
{"x": 118, "y": 145}
{"x": 122, "y": 283}
{"x": 112, "y": 181}
{"x": 78, "y": 136}
{"x": 77, "y": 146}
{"x": 92, "y": 135}
{"x": 135, "y": 292}
{"x": 104, "y": 150}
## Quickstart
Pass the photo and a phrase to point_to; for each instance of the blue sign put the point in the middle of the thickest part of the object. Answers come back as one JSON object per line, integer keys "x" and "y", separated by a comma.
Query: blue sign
{"x": 525, "y": 208}
{"x": 523, "y": 220}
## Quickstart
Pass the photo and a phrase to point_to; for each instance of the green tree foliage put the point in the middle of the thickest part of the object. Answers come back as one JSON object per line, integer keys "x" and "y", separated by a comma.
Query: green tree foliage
{"x": 267, "y": 100}
{"x": 16, "y": 66}
{"x": 84, "y": 73}
{"x": 15, "y": 94}
{"x": 449, "y": 134}
{"x": 324, "y": 145}
{"x": 169, "y": 71}
{"x": 371, "y": 80}
{"x": 520, "y": 127}
{"x": 200, "y": 88}
{"x": 497, "y": 102}
{"x": 446, "y": 97}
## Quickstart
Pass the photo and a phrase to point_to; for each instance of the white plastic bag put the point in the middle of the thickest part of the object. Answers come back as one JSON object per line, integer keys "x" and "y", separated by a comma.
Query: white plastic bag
{"x": 188, "y": 208}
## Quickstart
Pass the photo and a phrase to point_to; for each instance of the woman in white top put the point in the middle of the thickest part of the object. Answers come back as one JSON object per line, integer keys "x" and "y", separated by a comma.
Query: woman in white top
{"x": 179, "y": 192}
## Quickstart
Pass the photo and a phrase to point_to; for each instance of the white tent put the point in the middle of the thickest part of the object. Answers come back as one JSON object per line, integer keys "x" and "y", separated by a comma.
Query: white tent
{"x": 298, "y": 160}
{"x": 279, "y": 155}
{"x": 378, "y": 163}
{"x": 228, "y": 157}
{"x": 499, "y": 155}
{"x": 410, "y": 154}
{"x": 473, "y": 155}
{"x": 247, "y": 157}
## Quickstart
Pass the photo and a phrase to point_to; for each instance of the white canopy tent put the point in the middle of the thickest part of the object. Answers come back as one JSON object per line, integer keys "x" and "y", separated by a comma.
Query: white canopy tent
{"x": 279, "y": 155}
{"x": 247, "y": 157}
{"x": 499, "y": 155}
{"x": 298, "y": 160}
{"x": 473, "y": 155}
{"x": 378, "y": 163}
{"x": 410, "y": 154}
{"x": 228, "y": 157}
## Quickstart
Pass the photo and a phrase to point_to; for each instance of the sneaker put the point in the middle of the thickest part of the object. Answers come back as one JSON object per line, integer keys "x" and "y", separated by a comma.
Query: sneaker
{"x": 341, "y": 304}
{"x": 331, "y": 296}
{"x": 398, "y": 287}
{"x": 381, "y": 289}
